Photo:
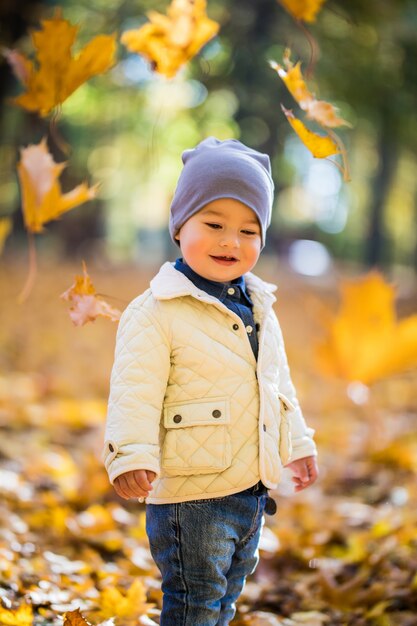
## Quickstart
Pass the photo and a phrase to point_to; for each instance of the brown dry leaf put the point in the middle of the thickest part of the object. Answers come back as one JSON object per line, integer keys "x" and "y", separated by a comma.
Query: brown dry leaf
{"x": 125, "y": 606}
{"x": 304, "y": 10}
{"x": 320, "y": 146}
{"x": 364, "y": 341}
{"x": 169, "y": 41}
{"x": 42, "y": 199}
{"x": 22, "y": 616}
{"x": 86, "y": 304}
{"x": 75, "y": 618}
{"x": 5, "y": 230}
{"x": 57, "y": 74}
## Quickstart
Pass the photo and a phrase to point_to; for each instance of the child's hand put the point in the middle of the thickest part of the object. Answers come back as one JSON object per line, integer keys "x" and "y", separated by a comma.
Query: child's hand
{"x": 134, "y": 484}
{"x": 305, "y": 471}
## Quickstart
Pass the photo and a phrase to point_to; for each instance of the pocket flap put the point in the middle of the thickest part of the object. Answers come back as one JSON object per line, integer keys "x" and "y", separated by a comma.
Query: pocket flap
{"x": 210, "y": 411}
{"x": 286, "y": 404}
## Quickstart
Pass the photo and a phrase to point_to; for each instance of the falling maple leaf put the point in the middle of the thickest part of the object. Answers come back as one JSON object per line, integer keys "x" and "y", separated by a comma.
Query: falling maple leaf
{"x": 319, "y": 111}
{"x": 171, "y": 40}
{"x": 86, "y": 304}
{"x": 320, "y": 146}
{"x": 57, "y": 74}
{"x": 42, "y": 199}
{"x": 364, "y": 341}
{"x": 303, "y": 10}
{"x": 5, "y": 229}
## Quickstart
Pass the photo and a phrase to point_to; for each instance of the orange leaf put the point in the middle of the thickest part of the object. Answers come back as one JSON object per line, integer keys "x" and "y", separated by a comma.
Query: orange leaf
{"x": 320, "y": 146}
{"x": 364, "y": 341}
{"x": 5, "y": 229}
{"x": 86, "y": 304}
{"x": 75, "y": 618}
{"x": 169, "y": 41}
{"x": 42, "y": 199}
{"x": 57, "y": 74}
{"x": 318, "y": 110}
{"x": 304, "y": 10}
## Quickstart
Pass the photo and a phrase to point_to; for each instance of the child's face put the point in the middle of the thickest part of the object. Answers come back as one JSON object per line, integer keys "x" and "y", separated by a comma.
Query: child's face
{"x": 222, "y": 241}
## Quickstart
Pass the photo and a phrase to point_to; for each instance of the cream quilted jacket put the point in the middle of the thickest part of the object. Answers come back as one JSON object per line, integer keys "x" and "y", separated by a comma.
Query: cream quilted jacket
{"x": 188, "y": 399}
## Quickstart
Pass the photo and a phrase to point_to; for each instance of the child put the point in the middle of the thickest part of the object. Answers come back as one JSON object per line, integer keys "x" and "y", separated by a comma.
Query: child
{"x": 202, "y": 412}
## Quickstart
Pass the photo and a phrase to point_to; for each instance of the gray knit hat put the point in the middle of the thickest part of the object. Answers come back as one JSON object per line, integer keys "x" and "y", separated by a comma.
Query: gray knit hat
{"x": 217, "y": 169}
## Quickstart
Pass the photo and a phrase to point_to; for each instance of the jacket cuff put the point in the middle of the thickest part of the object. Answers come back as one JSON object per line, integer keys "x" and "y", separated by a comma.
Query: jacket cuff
{"x": 119, "y": 459}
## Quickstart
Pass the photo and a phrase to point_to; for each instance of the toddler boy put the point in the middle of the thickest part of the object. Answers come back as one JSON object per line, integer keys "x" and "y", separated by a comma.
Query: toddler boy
{"x": 202, "y": 413}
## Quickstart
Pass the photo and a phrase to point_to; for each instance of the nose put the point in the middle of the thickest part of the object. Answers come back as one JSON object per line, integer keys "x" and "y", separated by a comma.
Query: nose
{"x": 230, "y": 239}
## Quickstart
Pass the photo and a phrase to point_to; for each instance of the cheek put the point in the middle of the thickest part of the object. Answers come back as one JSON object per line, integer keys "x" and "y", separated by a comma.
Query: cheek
{"x": 195, "y": 244}
{"x": 253, "y": 250}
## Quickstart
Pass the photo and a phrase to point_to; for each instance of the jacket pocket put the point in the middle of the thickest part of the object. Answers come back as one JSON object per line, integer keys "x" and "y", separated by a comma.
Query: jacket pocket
{"x": 285, "y": 440}
{"x": 197, "y": 438}
{"x": 110, "y": 451}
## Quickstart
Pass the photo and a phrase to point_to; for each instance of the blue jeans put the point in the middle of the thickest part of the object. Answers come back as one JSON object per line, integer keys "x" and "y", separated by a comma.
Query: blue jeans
{"x": 204, "y": 550}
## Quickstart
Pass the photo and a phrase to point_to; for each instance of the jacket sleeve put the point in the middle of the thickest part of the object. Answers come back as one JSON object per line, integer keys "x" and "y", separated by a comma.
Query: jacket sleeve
{"x": 137, "y": 388}
{"x": 301, "y": 435}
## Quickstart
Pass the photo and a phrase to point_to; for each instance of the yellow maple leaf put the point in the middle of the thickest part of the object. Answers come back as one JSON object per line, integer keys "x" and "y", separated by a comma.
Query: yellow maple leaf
{"x": 364, "y": 341}
{"x": 5, "y": 229}
{"x": 320, "y": 146}
{"x": 42, "y": 199}
{"x": 304, "y": 10}
{"x": 169, "y": 41}
{"x": 86, "y": 304}
{"x": 125, "y": 605}
{"x": 319, "y": 111}
{"x": 22, "y": 616}
{"x": 57, "y": 74}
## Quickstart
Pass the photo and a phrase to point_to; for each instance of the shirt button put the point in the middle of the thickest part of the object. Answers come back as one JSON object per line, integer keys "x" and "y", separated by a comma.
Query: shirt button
{"x": 111, "y": 448}
{"x": 249, "y": 329}
{"x": 231, "y": 291}
{"x": 177, "y": 419}
{"x": 235, "y": 326}
{"x": 216, "y": 413}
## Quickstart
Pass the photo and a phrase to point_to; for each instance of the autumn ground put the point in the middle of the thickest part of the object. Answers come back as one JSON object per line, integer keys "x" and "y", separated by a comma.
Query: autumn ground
{"x": 343, "y": 552}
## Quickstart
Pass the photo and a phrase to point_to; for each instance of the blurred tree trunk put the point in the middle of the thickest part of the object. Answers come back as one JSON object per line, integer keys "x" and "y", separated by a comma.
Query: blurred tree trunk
{"x": 378, "y": 245}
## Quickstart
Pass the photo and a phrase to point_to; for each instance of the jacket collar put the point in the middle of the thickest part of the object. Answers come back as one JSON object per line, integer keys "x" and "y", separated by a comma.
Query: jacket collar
{"x": 170, "y": 283}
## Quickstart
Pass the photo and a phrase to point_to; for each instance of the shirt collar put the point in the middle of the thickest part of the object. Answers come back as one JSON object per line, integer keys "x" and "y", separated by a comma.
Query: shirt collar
{"x": 212, "y": 287}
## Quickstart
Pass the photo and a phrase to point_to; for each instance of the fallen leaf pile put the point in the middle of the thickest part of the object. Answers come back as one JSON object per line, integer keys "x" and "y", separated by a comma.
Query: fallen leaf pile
{"x": 343, "y": 553}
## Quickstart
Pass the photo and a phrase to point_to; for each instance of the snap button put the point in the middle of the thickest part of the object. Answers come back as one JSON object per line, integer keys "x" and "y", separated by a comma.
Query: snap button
{"x": 216, "y": 413}
{"x": 111, "y": 448}
{"x": 231, "y": 291}
{"x": 177, "y": 419}
{"x": 235, "y": 326}
{"x": 249, "y": 329}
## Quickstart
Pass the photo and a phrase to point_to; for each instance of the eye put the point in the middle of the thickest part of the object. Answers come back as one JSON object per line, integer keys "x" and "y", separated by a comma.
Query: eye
{"x": 249, "y": 232}
{"x": 214, "y": 226}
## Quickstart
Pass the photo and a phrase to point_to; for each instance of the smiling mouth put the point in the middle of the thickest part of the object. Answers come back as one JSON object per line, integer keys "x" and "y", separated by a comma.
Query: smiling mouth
{"x": 224, "y": 258}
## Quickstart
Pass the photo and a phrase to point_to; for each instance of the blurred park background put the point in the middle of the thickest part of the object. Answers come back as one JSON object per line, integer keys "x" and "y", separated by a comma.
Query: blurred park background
{"x": 342, "y": 553}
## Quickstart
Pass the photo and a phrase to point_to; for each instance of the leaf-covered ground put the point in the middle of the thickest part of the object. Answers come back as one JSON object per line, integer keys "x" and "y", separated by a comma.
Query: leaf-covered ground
{"x": 343, "y": 552}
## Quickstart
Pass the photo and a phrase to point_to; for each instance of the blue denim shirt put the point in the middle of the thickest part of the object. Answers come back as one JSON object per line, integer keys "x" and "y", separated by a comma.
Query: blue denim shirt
{"x": 239, "y": 301}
